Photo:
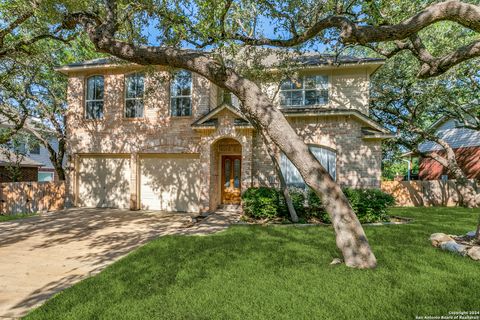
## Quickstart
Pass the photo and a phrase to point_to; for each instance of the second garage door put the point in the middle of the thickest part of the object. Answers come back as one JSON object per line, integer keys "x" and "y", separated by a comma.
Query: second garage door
{"x": 170, "y": 182}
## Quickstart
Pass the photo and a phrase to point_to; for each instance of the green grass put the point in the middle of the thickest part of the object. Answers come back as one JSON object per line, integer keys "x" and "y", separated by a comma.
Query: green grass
{"x": 16, "y": 216}
{"x": 282, "y": 272}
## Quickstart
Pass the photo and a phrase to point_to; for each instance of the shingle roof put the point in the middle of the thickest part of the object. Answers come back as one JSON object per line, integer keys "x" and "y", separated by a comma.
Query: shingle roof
{"x": 7, "y": 157}
{"x": 270, "y": 58}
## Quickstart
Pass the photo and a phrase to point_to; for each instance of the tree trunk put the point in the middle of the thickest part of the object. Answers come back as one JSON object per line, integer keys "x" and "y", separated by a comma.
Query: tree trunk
{"x": 283, "y": 184}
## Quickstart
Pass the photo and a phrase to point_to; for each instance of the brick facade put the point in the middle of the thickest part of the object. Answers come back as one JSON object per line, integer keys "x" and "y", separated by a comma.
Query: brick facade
{"x": 358, "y": 160}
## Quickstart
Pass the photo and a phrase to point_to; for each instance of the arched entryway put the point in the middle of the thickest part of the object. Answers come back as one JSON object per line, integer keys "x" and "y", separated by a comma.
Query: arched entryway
{"x": 226, "y": 172}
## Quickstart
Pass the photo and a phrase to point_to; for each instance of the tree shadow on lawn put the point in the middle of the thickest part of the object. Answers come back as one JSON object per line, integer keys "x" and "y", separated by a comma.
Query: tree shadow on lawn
{"x": 276, "y": 272}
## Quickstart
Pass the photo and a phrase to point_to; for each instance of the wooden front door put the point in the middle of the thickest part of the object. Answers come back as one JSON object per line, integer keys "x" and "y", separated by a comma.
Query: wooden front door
{"x": 231, "y": 179}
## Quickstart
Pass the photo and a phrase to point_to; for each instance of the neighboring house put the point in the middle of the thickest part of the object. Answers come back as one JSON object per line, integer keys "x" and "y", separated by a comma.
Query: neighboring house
{"x": 466, "y": 144}
{"x": 27, "y": 168}
{"x": 35, "y": 151}
{"x": 144, "y": 139}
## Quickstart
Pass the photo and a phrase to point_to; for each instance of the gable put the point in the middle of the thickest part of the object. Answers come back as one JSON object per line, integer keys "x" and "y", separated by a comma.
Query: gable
{"x": 223, "y": 110}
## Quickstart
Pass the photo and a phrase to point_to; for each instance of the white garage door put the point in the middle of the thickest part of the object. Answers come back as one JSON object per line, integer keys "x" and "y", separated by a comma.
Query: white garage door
{"x": 104, "y": 182}
{"x": 170, "y": 183}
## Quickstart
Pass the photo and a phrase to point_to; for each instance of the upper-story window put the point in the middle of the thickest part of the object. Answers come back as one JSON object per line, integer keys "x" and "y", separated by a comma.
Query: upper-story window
{"x": 327, "y": 158}
{"x": 134, "y": 91}
{"x": 181, "y": 94}
{"x": 94, "y": 98}
{"x": 305, "y": 91}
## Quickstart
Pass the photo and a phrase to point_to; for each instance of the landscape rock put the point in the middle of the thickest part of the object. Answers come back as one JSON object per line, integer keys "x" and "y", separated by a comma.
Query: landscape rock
{"x": 454, "y": 247}
{"x": 471, "y": 234}
{"x": 474, "y": 253}
{"x": 336, "y": 261}
{"x": 438, "y": 238}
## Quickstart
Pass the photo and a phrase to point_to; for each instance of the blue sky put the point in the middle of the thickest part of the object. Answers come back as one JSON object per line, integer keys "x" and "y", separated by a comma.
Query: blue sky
{"x": 263, "y": 26}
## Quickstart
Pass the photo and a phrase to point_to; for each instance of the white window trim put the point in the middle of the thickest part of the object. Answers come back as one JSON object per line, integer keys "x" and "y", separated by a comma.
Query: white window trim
{"x": 181, "y": 96}
{"x": 142, "y": 98}
{"x": 328, "y": 88}
{"x": 93, "y": 100}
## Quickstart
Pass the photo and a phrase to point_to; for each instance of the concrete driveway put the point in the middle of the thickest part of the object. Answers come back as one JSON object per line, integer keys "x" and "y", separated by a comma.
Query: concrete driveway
{"x": 42, "y": 255}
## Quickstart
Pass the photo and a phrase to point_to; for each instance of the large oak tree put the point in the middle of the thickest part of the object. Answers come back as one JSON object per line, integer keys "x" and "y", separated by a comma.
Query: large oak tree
{"x": 198, "y": 35}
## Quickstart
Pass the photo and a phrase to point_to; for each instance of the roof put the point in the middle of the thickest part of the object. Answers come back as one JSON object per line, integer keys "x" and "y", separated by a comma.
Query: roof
{"x": 6, "y": 123}
{"x": 269, "y": 58}
{"x": 7, "y": 157}
{"x": 372, "y": 130}
{"x": 456, "y": 137}
{"x": 377, "y": 132}
{"x": 206, "y": 119}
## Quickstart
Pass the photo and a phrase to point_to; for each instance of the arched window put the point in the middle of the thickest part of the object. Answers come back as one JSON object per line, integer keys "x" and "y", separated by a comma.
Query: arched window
{"x": 181, "y": 94}
{"x": 94, "y": 98}
{"x": 134, "y": 90}
{"x": 327, "y": 158}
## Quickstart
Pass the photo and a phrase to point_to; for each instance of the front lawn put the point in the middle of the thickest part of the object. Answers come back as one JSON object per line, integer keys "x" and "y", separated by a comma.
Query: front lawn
{"x": 16, "y": 216}
{"x": 282, "y": 272}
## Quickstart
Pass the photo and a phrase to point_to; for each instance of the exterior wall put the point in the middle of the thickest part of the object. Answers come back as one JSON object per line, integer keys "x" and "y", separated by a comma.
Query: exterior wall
{"x": 156, "y": 132}
{"x": 44, "y": 156}
{"x": 358, "y": 160}
{"x": 348, "y": 88}
{"x": 26, "y": 174}
{"x": 467, "y": 158}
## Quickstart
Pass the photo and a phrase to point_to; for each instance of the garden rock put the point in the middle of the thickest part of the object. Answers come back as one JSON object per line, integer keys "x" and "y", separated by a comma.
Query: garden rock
{"x": 471, "y": 234}
{"x": 474, "y": 253}
{"x": 454, "y": 247}
{"x": 438, "y": 238}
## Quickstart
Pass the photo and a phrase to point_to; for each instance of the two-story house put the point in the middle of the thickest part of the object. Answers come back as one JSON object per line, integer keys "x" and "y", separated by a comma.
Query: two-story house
{"x": 153, "y": 138}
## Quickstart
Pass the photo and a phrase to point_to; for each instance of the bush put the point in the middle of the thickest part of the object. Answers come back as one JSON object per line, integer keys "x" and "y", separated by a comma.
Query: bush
{"x": 298, "y": 201}
{"x": 315, "y": 207}
{"x": 261, "y": 202}
{"x": 370, "y": 205}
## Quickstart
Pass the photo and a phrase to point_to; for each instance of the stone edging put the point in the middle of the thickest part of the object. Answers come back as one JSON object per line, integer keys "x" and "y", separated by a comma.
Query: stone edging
{"x": 461, "y": 245}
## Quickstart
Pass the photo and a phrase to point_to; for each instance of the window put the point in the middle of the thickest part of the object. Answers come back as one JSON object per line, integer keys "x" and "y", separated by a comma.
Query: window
{"x": 134, "y": 85}
{"x": 293, "y": 178}
{"x": 306, "y": 91}
{"x": 94, "y": 98}
{"x": 181, "y": 94}
{"x": 35, "y": 149}
{"x": 45, "y": 176}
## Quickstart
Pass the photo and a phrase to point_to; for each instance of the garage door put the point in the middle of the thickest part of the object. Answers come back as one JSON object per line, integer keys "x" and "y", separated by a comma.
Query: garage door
{"x": 170, "y": 183}
{"x": 104, "y": 182}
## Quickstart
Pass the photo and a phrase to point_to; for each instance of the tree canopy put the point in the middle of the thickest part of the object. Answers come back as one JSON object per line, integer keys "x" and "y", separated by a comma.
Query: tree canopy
{"x": 200, "y": 35}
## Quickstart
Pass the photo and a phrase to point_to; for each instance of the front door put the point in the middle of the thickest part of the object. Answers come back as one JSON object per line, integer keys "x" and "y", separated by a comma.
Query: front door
{"x": 231, "y": 168}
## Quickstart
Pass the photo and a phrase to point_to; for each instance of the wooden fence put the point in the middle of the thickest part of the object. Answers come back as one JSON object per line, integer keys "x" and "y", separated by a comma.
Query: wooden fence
{"x": 31, "y": 197}
{"x": 425, "y": 193}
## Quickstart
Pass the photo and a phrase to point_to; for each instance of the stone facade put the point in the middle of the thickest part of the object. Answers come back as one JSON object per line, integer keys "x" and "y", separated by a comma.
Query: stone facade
{"x": 358, "y": 158}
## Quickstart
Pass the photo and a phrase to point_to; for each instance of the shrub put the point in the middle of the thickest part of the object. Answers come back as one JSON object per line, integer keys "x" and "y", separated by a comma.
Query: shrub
{"x": 370, "y": 205}
{"x": 261, "y": 202}
{"x": 315, "y": 207}
{"x": 298, "y": 201}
